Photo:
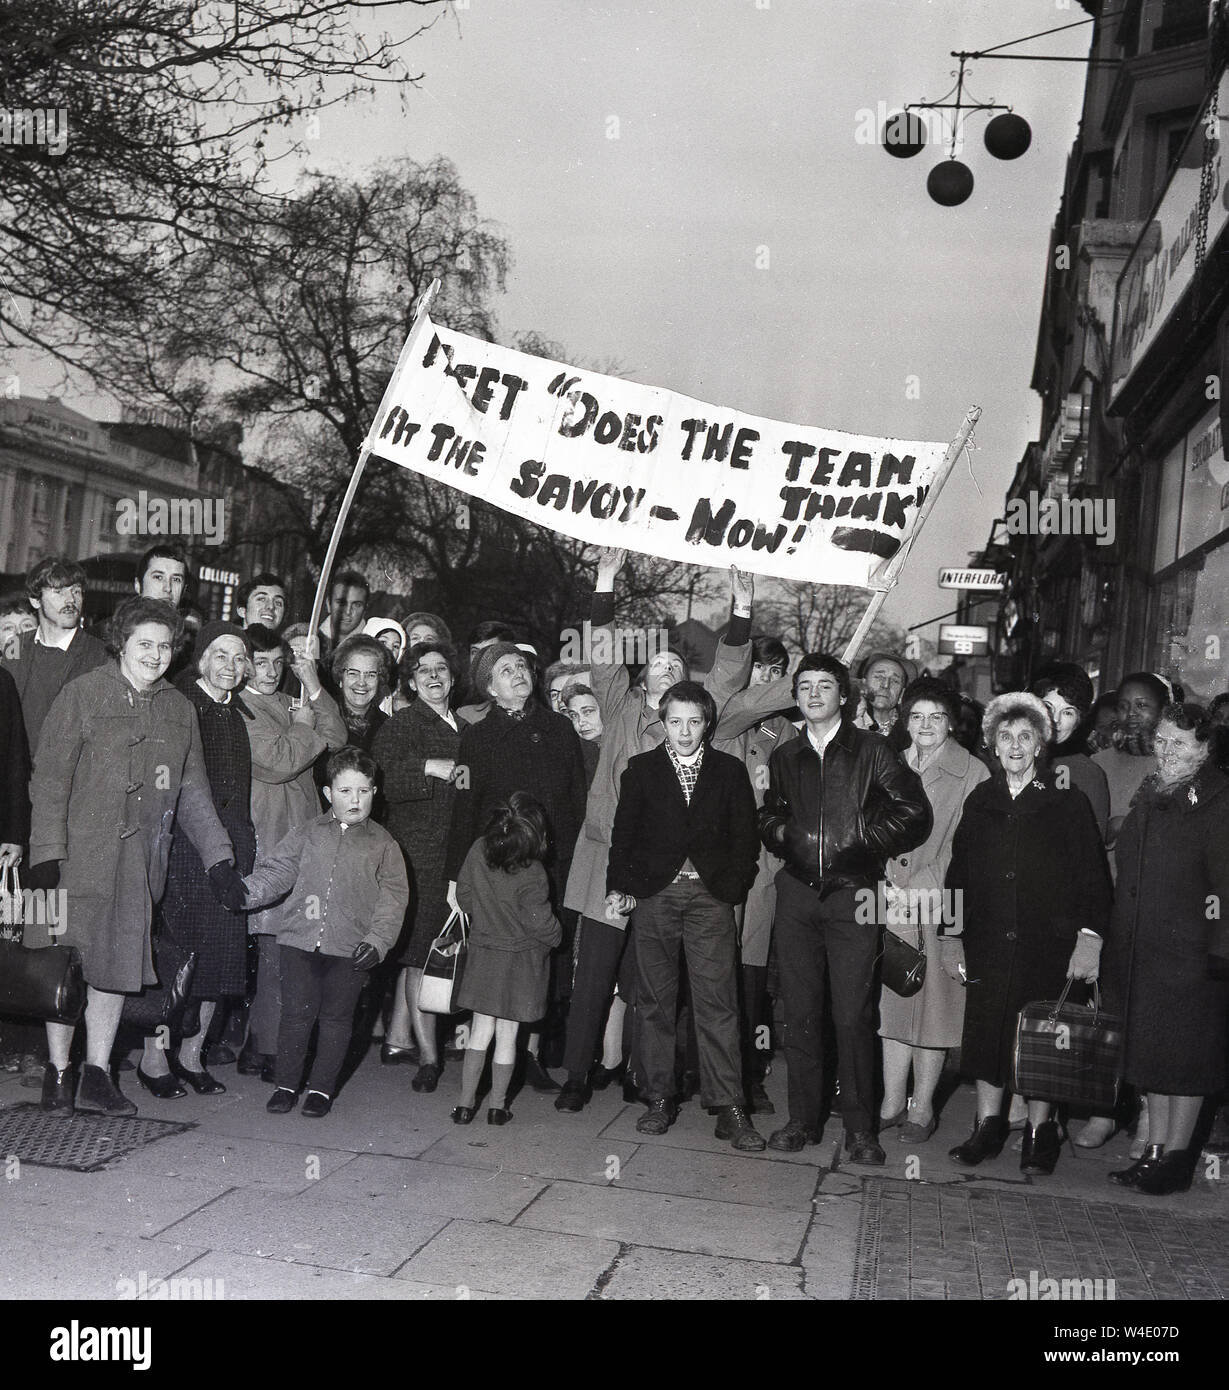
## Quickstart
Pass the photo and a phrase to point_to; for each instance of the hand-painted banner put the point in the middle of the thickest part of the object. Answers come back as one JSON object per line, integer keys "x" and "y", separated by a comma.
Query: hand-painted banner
{"x": 615, "y": 463}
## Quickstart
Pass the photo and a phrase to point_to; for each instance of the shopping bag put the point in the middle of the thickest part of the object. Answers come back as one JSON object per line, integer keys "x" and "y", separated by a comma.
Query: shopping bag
{"x": 1068, "y": 1053}
{"x": 445, "y": 962}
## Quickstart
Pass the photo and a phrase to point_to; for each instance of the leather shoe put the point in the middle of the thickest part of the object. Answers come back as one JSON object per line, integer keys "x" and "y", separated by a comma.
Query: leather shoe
{"x": 57, "y": 1092}
{"x": 792, "y": 1137}
{"x": 162, "y": 1087}
{"x": 497, "y": 1115}
{"x": 396, "y": 1056}
{"x": 1128, "y": 1177}
{"x": 427, "y": 1077}
{"x": 463, "y": 1114}
{"x": 538, "y": 1077}
{"x": 217, "y": 1055}
{"x": 761, "y": 1102}
{"x": 891, "y": 1121}
{"x": 863, "y": 1147}
{"x": 913, "y": 1133}
{"x": 986, "y": 1141}
{"x": 252, "y": 1063}
{"x": 200, "y": 1081}
{"x": 1174, "y": 1171}
{"x": 601, "y": 1077}
{"x": 658, "y": 1118}
{"x": 571, "y": 1100}
{"x": 733, "y": 1124}
{"x": 631, "y": 1091}
{"x": 97, "y": 1094}
{"x": 282, "y": 1101}
{"x": 316, "y": 1105}
{"x": 1040, "y": 1150}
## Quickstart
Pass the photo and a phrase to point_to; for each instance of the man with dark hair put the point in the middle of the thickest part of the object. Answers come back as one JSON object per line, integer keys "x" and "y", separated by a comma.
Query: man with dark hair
{"x": 162, "y": 574}
{"x": 683, "y": 852}
{"x": 262, "y": 600}
{"x": 58, "y": 650}
{"x": 839, "y": 804}
{"x": 347, "y": 608}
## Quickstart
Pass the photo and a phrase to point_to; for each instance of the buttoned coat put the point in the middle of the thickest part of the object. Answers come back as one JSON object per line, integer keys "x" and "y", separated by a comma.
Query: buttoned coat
{"x": 118, "y": 774}
{"x": 418, "y": 812}
{"x": 1173, "y": 871}
{"x": 1031, "y": 871}
{"x": 934, "y": 1017}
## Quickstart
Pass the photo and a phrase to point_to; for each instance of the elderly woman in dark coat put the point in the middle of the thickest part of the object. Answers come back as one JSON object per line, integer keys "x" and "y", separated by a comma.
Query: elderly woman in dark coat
{"x": 1028, "y": 861}
{"x": 119, "y": 770}
{"x": 1167, "y": 963}
{"x": 190, "y": 911}
{"x": 417, "y": 753}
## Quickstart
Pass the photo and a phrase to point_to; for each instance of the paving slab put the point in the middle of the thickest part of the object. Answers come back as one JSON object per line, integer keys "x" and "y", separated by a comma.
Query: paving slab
{"x": 737, "y": 1177}
{"x": 358, "y": 1237}
{"x": 414, "y": 1185}
{"x": 250, "y": 1277}
{"x": 519, "y": 1262}
{"x": 45, "y": 1262}
{"x": 641, "y": 1273}
{"x": 674, "y": 1223}
{"x": 537, "y": 1151}
{"x": 112, "y": 1201}
{"x": 234, "y": 1161}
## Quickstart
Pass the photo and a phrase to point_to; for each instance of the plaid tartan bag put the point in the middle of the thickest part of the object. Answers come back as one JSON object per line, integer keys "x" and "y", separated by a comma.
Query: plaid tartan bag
{"x": 1068, "y": 1053}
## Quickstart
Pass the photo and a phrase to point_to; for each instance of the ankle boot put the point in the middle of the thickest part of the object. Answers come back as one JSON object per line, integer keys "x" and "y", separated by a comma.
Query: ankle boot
{"x": 98, "y": 1094}
{"x": 986, "y": 1141}
{"x": 57, "y": 1091}
{"x": 1173, "y": 1172}
{"x": 1039, "y": 1153}
{"x": 1129, "y": 1177}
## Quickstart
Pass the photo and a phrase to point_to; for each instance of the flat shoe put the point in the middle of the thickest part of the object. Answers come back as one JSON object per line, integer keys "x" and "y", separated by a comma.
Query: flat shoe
{"x": 497, "y": 1116}
{"x": 161, "y": 1087}
{"x": 1095, "y": 1134}
{"x": 98, "y": 1094}
{"x": 891, "y": 1121}
{"x": 395, "y": 1056}
{"x": 913, "y": 1133}
{"x": 316, "y": 1105}
{"x": 463, "y": 1114}
{"x": 282, "y": 1101}
{"x": 200, "y": 1081}
{"x": 427, "y": 1077}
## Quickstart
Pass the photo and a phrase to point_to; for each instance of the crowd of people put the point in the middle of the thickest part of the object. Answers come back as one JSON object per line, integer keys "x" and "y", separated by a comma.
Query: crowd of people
{"x": 653, "y": 866}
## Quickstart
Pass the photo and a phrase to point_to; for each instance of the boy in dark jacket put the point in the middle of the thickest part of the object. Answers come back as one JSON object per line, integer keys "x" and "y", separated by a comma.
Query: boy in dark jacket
{"x": 683, "y": 852}
{"x": 348, "y": 892}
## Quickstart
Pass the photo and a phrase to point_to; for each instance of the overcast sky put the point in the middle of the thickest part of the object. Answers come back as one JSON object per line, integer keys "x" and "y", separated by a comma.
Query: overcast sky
{"x": 638, "y": 157}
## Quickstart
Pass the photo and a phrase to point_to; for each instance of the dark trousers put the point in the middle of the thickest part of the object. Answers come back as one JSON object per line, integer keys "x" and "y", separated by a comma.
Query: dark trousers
{"x": 756, "y": 1024}
{"x": 601, "y": 962}
{"x": 819, "y": 941}
{"x": 685, "y": 919}
{"x": 316, "y": 989}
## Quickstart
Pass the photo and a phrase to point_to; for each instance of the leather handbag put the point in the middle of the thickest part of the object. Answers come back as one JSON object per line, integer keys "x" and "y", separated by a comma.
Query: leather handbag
{"x": 902, "y": 968}
{"x": 165, "y": 1003}
{"x": 444, "y": 966}
{"x": 43, "y": 983}
{"x": 1068, "y": 1053}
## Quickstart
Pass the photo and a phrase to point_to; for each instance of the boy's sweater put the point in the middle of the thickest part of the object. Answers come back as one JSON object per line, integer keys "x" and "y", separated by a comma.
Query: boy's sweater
{"x": 347, "y": 885}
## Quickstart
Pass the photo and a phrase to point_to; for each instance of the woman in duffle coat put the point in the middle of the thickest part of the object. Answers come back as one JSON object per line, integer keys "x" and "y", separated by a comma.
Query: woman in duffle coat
{"x": 119, "y": 770}
{"x": 1167, "y": 958}
{"x": 1028, "y": 860}
{"x": 285, "y": 744}
{"x": 917, "y": 1031}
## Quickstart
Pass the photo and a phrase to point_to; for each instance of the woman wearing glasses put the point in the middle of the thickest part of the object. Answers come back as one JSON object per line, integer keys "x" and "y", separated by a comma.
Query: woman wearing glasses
{"x": 417, "y": 751}
{"x": 917, "y": 1031}
{"x": 358, "y": 674}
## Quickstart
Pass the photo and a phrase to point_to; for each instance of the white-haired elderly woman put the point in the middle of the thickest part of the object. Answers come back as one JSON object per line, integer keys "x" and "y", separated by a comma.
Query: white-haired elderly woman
{"x": 1035, "y": 897}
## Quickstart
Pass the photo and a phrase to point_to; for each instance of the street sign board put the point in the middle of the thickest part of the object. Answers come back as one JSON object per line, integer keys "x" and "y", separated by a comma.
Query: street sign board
{"x": 963, "y": 639}
{"x": 972, "y": 579}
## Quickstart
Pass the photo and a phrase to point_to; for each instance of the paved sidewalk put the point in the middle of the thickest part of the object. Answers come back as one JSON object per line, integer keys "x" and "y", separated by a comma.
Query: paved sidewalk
{"x": 387, "y": 1199}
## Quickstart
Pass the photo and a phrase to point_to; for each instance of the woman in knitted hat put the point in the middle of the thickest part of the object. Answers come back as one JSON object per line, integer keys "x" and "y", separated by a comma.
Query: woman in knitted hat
{"x": 1034, "y": 897}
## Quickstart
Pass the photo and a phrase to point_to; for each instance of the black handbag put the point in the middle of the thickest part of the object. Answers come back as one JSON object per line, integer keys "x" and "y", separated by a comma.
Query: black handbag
{"x": 165, "y": 1003}
{"x": 44, "y": 983}
{"x": 1068, "y": 1053}
{"x": 902, "y": 968}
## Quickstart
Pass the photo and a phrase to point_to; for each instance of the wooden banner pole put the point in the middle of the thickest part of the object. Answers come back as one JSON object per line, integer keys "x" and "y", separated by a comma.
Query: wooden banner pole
{"x": 892, "y": 573}
{"x": 407, "y": 350}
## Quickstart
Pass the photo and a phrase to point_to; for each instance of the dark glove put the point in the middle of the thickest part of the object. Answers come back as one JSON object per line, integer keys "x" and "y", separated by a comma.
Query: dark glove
{"x": 44, "y": 876}
{"x": 1218, "y": 967}
{"x": 365, "y": 956}
{"x": 227, "y": 885}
